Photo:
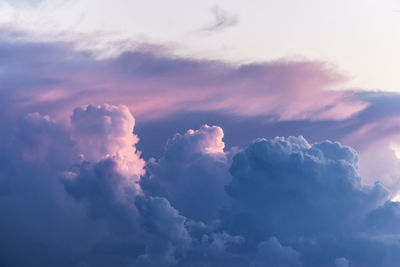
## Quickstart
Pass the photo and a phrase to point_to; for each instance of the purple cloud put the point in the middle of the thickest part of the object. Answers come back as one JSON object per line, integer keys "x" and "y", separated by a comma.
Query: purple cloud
{"x": 53, "y": 77}
{"x": 76, "y": 191}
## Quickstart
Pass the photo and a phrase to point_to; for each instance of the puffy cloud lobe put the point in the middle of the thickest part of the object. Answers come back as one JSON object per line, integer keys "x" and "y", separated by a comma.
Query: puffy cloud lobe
{"x": 170, "y": 237}
{"x": 192, "y": 173}
{"x": 163, "y": 220}
{"x": 272, "y": 253}
{"x": 288, "y": 187}
{"x": 106, "y": 131}
{"x": 208, "y": 139}
{"x": 107, "y": 194}
{"x": 219, "y": 241}
{"x": 173, "y": 240}
{"x": 386, "y": 218}
{"x": 108, "y": 182}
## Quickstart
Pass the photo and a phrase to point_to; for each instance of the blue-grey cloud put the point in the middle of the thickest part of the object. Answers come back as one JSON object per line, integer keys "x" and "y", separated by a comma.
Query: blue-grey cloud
{"x": 75, "y": 189}
{"x": 54, "y": 78}
{"x": 203, "y": 178}
{"x": 285, "y": 201}
{"x": 272, "y": 253}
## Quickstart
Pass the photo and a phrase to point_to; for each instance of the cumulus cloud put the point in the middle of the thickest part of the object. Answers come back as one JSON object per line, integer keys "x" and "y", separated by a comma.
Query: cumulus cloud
{"x": 93, "y": 213}
{"x": 288, "y": 187}
{"x": 272, "y": 253}
{"x": 75, "y": 189}
{"x": 193, "y": 167}
{"x": 282, "y": 97}
{"x": 281, "y": 201}
{"x": 107, "y": 193}
{"x": 39, "y": 223}
{"x": 167, "y": 228}
{"x": 56, "y": 202}
{"x": 106, "y": 131}
{"x": 386, "y": 218}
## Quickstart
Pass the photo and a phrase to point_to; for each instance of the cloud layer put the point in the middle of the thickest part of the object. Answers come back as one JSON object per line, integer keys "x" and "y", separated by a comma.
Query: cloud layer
{"x": 54, "y": 78}
{"x": 75, "y": 189}
{"x": 81, "y": 193}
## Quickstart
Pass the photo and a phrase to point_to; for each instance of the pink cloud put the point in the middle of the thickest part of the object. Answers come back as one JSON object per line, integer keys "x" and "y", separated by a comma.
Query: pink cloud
{"x": 56, "y": 78}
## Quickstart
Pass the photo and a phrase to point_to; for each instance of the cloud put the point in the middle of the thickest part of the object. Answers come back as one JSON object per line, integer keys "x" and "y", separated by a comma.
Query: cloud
{"x": 222, "y": 20}
{"x": 385, "y": 218}
{"x": 75, "y": 190}
{"x": 58, "y": 200}
{"x": 288, "y": 188}
{"x": 341, "y": 262}
{"x": 194, "y": 166}
{"x": 39, "y": 220}
{"x": 166, "y": 226}
{"x": 271, "y": 252}
{"x": 54, "y": 202}
{"x": 54, "y": 78}
{"x": 105, "y": 131}
{"x": 280, "y": 201}
{"x": 298, "y": 185}
{"x": 372, "y": 132}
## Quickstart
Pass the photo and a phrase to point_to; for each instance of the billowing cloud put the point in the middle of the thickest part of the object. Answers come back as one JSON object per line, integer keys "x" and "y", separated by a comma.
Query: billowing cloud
{"x": 167, "y": 227}
{"x": 193, "y": 167}
{"x": 76, "y": 191}
{"x": 271, "y": 252}
{"x": 280, "y": 201}
{"x": 287, "y": 186}
{"x": 105, "y": 131}
{"x": 385, "y": 218}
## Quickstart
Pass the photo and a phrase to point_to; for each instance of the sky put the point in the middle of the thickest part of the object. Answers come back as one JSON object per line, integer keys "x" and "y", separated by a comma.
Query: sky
{"x": 359, "y": 36}
{"x": 199, "y": 133}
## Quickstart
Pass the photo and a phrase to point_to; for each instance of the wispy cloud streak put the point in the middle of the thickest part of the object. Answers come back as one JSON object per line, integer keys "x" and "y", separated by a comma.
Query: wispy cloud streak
{"x": 222, "y": 20}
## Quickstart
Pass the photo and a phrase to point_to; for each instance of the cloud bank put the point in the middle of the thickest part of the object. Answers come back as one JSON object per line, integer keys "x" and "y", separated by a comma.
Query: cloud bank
{"x": 55, "y": 78}
{"x": 75, "y": 189}
{"x": 80, "y": 194}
